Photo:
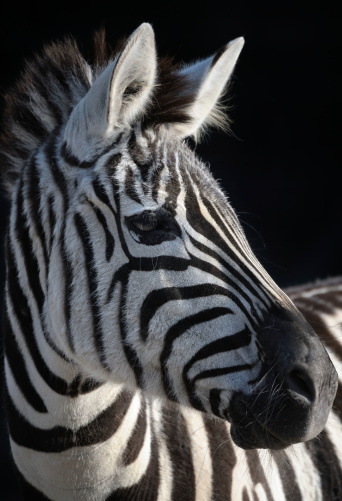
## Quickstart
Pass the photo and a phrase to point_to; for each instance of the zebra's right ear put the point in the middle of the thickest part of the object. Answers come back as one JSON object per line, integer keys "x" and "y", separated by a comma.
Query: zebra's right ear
{"x": 118, "y": 96}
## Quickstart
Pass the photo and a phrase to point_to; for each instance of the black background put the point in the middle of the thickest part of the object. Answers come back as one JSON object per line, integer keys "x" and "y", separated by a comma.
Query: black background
{"x": 281, "y": 166}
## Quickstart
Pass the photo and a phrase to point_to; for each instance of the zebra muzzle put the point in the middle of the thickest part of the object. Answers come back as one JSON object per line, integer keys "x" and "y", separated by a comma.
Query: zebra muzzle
{"x": 292, "y": 399}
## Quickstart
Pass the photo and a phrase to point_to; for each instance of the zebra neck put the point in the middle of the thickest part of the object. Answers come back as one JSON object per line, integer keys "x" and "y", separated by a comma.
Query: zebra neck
{"x": 88, "y": 448}
{"x": 71, "y": 436}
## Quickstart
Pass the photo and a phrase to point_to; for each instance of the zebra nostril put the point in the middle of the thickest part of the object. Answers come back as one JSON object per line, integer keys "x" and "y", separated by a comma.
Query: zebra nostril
{"x": 299, "y": 381}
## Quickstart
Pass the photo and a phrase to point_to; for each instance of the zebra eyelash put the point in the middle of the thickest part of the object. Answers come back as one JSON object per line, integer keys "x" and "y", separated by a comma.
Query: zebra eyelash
{"x": 153, "y": 227}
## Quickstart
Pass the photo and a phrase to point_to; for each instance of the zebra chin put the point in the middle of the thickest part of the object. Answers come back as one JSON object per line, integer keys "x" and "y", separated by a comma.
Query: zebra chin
{"x": 291, "y": 399}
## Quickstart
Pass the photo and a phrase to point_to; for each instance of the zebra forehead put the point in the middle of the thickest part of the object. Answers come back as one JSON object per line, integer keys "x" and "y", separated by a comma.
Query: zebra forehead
{"x": 160, "y": 163}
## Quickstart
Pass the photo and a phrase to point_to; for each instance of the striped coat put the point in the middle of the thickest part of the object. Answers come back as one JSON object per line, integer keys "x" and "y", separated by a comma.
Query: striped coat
{"x": 148, "y": 355}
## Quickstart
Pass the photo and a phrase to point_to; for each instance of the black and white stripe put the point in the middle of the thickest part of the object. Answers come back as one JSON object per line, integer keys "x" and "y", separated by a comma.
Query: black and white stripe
{"x": 148, "y": 355}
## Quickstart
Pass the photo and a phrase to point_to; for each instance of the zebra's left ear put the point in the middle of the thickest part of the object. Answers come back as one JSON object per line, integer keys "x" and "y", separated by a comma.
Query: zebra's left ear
{"x": 208, "y": 79}
{"x": 117, "y": 97}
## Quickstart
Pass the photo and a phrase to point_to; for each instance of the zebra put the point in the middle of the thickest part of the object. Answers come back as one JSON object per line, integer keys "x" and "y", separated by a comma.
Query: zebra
{"x": 147, "y": 353}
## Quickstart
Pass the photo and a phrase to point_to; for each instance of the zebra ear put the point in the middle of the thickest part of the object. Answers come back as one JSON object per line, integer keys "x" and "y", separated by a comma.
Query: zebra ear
{"x": 208, "y": 79}
{"x": 117, "y": 97}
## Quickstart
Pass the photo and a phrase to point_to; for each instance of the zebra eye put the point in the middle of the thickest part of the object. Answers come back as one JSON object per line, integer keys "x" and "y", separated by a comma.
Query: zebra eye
{"x": 147, "y": 221}
{"x": 153, "y": 227}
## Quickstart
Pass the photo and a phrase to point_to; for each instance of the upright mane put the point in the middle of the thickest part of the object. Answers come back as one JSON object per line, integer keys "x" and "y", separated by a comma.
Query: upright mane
{"x": 53, "y": 82}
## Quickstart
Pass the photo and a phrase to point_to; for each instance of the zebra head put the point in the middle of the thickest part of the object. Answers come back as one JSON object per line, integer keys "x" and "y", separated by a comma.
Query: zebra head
{"x": 145, "y": 273}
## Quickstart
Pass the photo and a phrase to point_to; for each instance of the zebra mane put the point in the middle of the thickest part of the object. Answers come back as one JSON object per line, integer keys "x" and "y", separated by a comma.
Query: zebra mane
{"x": 50, "y": 85}
{"x": 55, "y": 81}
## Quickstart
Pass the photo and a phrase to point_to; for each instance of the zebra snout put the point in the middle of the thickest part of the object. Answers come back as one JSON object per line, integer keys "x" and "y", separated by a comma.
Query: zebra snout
{"x": 292, "y": 398}
{"x": 294, "y": 354}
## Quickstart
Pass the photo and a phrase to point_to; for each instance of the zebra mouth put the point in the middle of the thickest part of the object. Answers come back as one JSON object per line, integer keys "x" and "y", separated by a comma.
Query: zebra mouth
{"x": 250, "y": 433}
{"x": 255, "y": 436}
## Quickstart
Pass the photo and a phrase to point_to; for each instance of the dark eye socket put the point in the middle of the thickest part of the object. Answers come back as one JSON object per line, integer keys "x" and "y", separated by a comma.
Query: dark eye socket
{"x": 153, "y": 227}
